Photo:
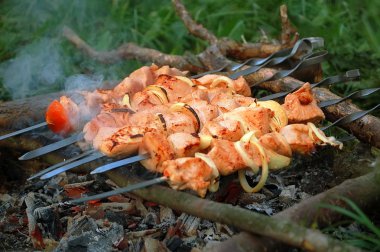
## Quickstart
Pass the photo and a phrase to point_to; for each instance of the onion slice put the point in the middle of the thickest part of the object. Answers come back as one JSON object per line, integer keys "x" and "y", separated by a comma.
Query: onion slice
{"x": 319, "y": 134}
{"x": 264, "y": 172}
{"x": 243, "y": 154}
{"x": 185, "y": 79}
{"x": 126, "y": 101}
{"x": 205, "y": 141}
{"x": 160, "y": 92}
{"x": 214, "y": 183}
{"x": 187, "y": 109}
{"x": 280, "y": 118}
{"x": 222, "y": 79}
{"x": 277, "y": 161}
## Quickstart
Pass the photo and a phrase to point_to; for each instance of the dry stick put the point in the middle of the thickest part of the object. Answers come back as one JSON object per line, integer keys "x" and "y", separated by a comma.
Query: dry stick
{"x": 364, "y": 191}
{"x": 195, "y": 29}
{"x": 212, "y": 57}
{"x": 130, "y": 51}
{"x": 287, "y": 29}
{"x": 281, "y": 230}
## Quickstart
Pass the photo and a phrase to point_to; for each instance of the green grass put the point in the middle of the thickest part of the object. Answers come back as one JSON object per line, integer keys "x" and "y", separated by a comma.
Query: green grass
{"x": 349, "y": 28}
{"x": 368, "y": 238}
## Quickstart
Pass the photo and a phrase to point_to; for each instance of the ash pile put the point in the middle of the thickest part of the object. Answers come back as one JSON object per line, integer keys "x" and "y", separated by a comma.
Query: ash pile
{"x": 34, "y": 217}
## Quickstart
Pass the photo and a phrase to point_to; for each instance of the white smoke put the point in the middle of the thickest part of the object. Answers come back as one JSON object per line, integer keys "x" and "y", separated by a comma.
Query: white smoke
{"x": 83, "y": 82}
{"x": 35, "y": 69}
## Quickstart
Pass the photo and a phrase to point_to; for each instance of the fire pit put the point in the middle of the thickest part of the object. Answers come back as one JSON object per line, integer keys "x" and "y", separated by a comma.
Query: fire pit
{"x": 42, "y": 214}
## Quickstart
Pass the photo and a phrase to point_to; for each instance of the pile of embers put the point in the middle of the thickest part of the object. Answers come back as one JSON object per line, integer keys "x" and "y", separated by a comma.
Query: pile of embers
{"x": 33, "y": 216}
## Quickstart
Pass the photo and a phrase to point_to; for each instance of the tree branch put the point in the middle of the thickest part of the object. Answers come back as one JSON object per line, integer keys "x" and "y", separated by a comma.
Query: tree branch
{"x": 363, "y": 191}
{"x": 243, "y": 219}
{"x": 287, "y": 29}
{"x": 132, "y": 51}
{"x": 195, "y": 29}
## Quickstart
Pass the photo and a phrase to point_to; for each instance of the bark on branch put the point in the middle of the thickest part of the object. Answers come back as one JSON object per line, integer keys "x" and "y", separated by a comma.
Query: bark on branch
{"x": 281, "y": 230}
{"x": 195, "y": 29}
{"x": 213, "y": 57}
{"x": 363, "y": 191}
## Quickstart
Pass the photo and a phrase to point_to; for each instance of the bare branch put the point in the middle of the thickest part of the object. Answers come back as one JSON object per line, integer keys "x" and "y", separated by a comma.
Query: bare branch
{"x": 131, "y": 51}
{"x": 362, "y": 190}
{"x": 287, "y": 29}
{"x": 195, "y": 29}
{"x": 243, "y": 219}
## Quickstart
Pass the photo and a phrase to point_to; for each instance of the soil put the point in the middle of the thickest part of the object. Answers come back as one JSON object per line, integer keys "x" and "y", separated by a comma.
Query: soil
{"x": 305, "y": 177}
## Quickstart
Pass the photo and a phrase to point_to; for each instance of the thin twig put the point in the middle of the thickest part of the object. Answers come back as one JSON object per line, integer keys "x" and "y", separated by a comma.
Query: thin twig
{"x": 194, "y": 28}
{"x": 287, "y": 29}
{"x": 281, "y": 230}
{"x": 131, "y": 51}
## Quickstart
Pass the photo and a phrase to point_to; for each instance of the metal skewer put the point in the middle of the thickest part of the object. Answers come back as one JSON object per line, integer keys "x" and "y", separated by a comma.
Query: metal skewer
{"x": 310, "y": 59}
{"x": 74, "y": 164}
{"x": 114, "y": 165}
{"x": 65, "y": 162}
{"x": 51, "y": 147}
{"x": 350, "y": 75}
{"x": 305, "y": 45}
{"x": 356, "y": 94}
{"x": 18, "y": 132}
{"x": 147, "y": 183}
{"x": 159, "y": 180}
{"x": 137, "y": 158}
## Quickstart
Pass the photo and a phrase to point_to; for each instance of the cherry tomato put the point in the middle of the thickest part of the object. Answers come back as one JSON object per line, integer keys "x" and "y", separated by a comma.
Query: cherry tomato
{"x": 57, "y": 118}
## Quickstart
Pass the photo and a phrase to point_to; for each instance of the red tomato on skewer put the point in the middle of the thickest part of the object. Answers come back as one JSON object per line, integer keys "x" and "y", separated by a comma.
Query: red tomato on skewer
{"x": 57, "y": 119}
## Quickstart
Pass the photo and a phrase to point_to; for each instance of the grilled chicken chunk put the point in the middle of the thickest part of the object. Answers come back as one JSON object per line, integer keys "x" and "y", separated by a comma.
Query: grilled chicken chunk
{"x": 276, "y": 142}
{"x": 240, "y": 85}
{"x": 301, "y": 106}
{"x": 125, "y": 141}
{"x": 161, "y": 147}
{"x": 227, "y": 129}
{"x": 297, "y": 136}
{"x": 228, "y": 159}
{"x": 189, "y": 172}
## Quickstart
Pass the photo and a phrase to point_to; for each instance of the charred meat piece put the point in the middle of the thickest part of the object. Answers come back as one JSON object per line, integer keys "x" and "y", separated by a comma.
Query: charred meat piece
{"x": 301, "y": 106}
{"x": 161, "y": 147}
{"x": 297, "y": 135}
{"x": 189, "y": 172}
{"x": 276, "y": 142}
{"x": 123, "y": 142}
{"x": 227, "y": 157}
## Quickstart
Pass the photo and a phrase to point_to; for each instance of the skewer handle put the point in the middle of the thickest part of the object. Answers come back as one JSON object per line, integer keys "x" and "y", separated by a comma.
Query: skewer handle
{"x": 120, "y": 190}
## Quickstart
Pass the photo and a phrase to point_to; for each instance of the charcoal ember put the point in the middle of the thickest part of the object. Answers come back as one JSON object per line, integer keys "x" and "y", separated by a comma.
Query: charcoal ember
{"x": 151, "y": 244}
{"x": 117, "y": 217}
{"x": 288, "y": 194}
{"x": 222, "y": 228}
{"x": 249, "y": 198}
{"x": 151, "y": 219}
{"x": 174, "y": 243}
{"x": 303, "y": 195}
{"x": 6, "y": 202}
{"x": 272, "y": 190}
{"x": 167, "y": 215}
{"x": 141, "y": 208}
{"x": 154, "y": 233}
{"x": 135, "y": 244}
{"x": 265, "y": 208}
{"x": 190, "y": 224}
{"x": 86, "y": 235}
{"x": 48, "y": 218}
